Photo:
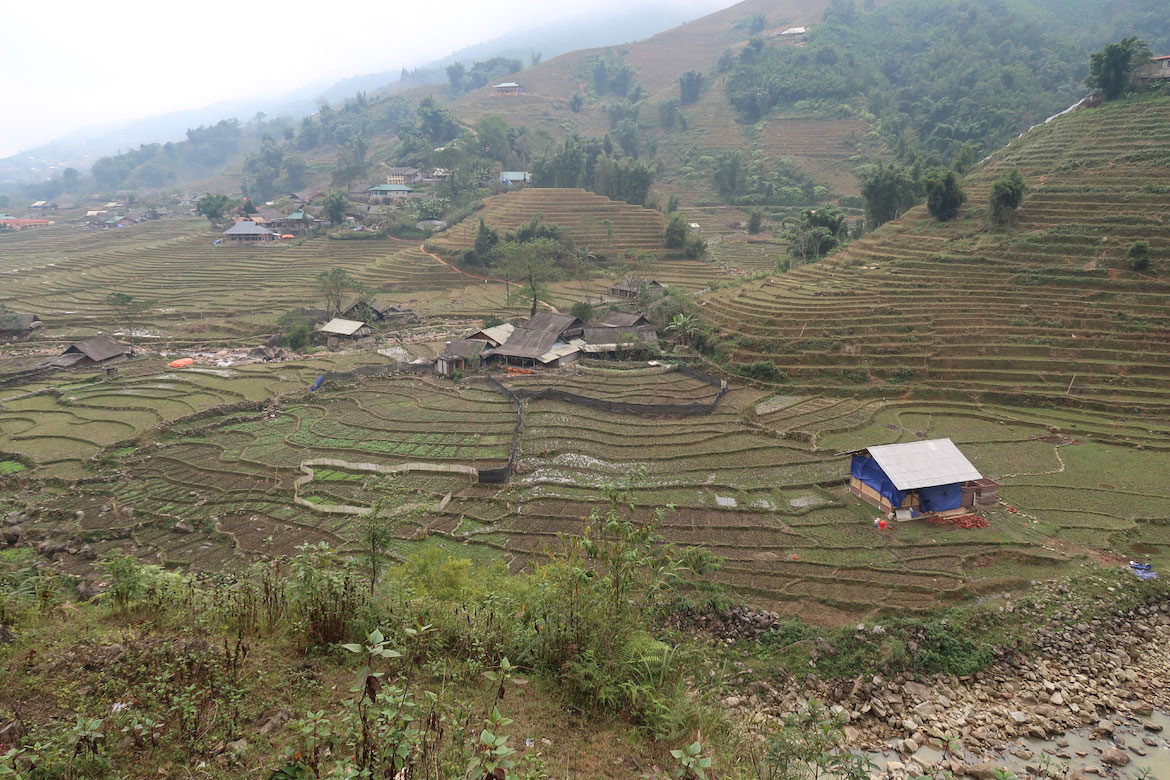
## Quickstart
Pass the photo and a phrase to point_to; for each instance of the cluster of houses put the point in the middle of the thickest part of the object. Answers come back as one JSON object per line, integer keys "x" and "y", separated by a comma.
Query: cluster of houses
{"x": 549, "y": 340}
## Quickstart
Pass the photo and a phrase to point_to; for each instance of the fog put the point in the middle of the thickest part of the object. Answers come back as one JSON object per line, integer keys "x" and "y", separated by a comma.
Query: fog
{"x": 70, "y": 65}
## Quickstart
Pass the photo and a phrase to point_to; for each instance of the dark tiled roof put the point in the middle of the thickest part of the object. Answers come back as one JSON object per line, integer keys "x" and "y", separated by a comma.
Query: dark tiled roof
{"x": 621, "y": 319}
{"x": 99, "y": 348}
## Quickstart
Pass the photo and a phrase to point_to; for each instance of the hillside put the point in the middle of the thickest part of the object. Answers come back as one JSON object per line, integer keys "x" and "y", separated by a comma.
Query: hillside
{"x": 1045, "y": 312}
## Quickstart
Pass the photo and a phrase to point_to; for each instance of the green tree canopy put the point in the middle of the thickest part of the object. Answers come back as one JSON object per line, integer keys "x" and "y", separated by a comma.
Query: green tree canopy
{"x": 1111, "y": 69}
{"x": 532, "y": 264}
{"x": 887, "y": 190}
{"x": 334, "y": 206}
{"x": 1006, "y": 196}
{"x": 335, "y": 287}
{"x": 213, "y": 206}
{"x": 944, "y": 196}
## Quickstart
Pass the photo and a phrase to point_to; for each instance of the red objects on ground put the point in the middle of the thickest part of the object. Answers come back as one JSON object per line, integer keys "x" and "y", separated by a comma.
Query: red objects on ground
{"x": 963, "y": 521}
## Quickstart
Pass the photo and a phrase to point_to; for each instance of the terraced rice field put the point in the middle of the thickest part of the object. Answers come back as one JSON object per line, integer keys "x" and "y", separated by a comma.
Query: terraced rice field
{"x": 1046, "y": 312}
{"x": 758, "y": 481}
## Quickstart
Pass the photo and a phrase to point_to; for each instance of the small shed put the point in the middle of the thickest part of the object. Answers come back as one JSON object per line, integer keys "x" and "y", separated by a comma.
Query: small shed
{"x": 610, "y": 341}
{"x": 460, "y": 355}
{"x": 920, "y": 476}
{"x": 508, "y": 88}
{"x": 513, "y": 178}
{"x": 340, "y": 334}
{"x": 95, "y": 351}
{"x": 246, "y": 232}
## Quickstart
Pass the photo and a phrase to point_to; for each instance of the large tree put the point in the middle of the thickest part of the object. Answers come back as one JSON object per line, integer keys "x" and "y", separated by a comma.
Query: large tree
{"x": 213, "y": 206}
{"x": 532, "y": 264}
{"x": 1111, "y": 69}
{"x": 1006, "y": 196}
{"x": 334, "y": 206}
{"x": 887, "y": 191}
{"x": 335, "y": 287}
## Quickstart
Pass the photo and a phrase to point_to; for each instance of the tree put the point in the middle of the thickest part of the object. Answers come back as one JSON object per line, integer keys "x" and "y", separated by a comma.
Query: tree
{"x": 213, "y": 206}
{"x": 1111, "y": 69}
{"x": 576, "y": 102}
{"x": 755, "y": 221}
{"x": 690, "y": 86}
{"x": 296, "y": 336}
{"x": 683, "y": 326}
{"x": 531, "y": 263}
{"x": 335, "y": 286}
{"x": 1139, "y": 256}
{"x": 887, "y": 191}
{"x": 376, "y": 537}
{"x": 944, "y": 196}
{"x": 676, "y": 232}
{"x": 1006, "y": 196}
{"x": 334, "y": 206}
{"x": 582, "y": 310}
{"x": 127, "y": 311}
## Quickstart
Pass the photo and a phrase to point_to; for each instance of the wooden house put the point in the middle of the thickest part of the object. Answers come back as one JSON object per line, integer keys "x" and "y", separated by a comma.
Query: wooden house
{"x": 345, "y": 334}
{"x": 918, "y": 477}
{"x": 619, "y": 341}
{"x": 392, "y": 192}
{"x": 99, "y": 350}
{"x": 632, "y": 288}
{"x": 621, "y": 319}
{"x": 247, "y": 232}
{"x": 495, "y": 335}
{"x": 1157, "y": 69}
{"x": 19, "y": 326}
{"x": 544, "y": 340}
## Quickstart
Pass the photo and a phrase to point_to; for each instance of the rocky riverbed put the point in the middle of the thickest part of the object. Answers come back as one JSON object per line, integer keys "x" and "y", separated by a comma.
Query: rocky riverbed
{"x": 1087, "y": 700}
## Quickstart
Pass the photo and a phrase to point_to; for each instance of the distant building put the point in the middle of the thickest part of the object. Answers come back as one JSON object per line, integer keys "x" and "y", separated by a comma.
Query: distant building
{"x": 513, "y": 178}
{"x": 632, "y": 288}
{"x": 19, "y": 326}
{"x": 12, "y": 223}
{"x": 404, "y": 176}
{"x": 496, "y": 335}
{"x": 460, "y": 355}
{"x": 918, "y": 477}
{"x": 95, "y": 351}
{"x": 620, "y": 319}
{"x": 793, "y": 34}
{"x": 544, "y": 339}
{"x": 372, "y": 311}
{"x": 390, "y": 191}
{"x": 246, "y": 232}
{"x": 340, "y": 334}
{"x": 1157, "y": 69}
{"x": 508, "y": 88}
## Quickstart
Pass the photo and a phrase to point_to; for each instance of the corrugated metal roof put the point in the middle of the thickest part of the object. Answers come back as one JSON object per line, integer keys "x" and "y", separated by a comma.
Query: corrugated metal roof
{"x": 561, "y": 350}
{"x": 620, "y": 319}
{"x": 245, "y": 228}
{"x": 919, "y": 464}
{"x": 552, "y": 322}
{"x": 498, "y": 334}
{"x": 342, "y": 327}
{"x": 527, "y": 343}
{"x": 464, "y": 348}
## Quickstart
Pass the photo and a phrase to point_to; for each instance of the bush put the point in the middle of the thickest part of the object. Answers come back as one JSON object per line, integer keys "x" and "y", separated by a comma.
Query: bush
{"x": 1006, "y": 196}
{"x": 765, "y": 370}
{"x": 1139, "y": 256}
{"x": 583, "y": 310}
{"x": 296, "y": 337}
{"x": 676, "y": 232}
{"x": 755, "y": 221}
{"x": 944, "y": 196}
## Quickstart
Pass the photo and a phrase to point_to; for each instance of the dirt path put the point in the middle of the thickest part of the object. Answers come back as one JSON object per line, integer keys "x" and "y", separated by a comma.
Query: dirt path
{"x": 423, "y": 249}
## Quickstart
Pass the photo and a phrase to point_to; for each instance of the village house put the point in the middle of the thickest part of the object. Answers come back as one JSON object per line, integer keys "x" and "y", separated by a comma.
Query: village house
{"x": 247, "y": 232}
{"x": 632, "y": 288}
{"x": 359, "y": 194}
{"x": 12, "y": 223}
{"x": 19, "y": 326}
{"x": 403, "y": 175}
{"x": 918, "y": 477}
{"x": 345, "y": 334}
{"x": 1157, "y": 69}
{"x": 460, "y": 355}
{"x": 391, "y": 192}
{"x": 513, "y": 178}
{"x": 508, "y": 88}
{"x": 621, "y": 319}
{"x": 300, "y": 222}
{"x": 372, "y": 311}
{"x": 543, "y": 340}
{"x": 619, "y": 341}
{"x": 96, "y": 351}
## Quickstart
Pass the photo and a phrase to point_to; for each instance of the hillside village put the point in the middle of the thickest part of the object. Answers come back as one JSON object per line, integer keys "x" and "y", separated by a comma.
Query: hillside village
{"x": 735, "y": 428}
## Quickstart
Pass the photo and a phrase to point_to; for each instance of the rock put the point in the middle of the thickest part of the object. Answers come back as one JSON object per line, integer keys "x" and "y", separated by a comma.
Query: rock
{"x": 1018, "y": 716}
{"x": 1105, "y": 727}
{"x": 926, "y": 711}
{"x": 1143, "y": 709}
{"x": 1155, "y": 728}
{"x": 87, "y": 553}
{"x": 982, "y": 771}
{"x": 236, "y": 747}
{"x": 276, "y": 721}
{"x": 910, "y": 746}
{"x": 916, "y": 689}
{"x": 183, "y": 527}
{"x": 1114, "y": 757}
{"x": 12, "y": 534}
{"x": 1056, "y": 699}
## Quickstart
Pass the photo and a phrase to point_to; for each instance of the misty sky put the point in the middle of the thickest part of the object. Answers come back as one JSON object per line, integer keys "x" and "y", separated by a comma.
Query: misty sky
{"x": 69, "y": 64}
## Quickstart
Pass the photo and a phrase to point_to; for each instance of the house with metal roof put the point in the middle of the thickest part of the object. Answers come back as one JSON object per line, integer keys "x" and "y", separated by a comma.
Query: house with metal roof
{"x": 91, "y": 352}
{"x": 508, "y": 88}
{"x": 632, "y": 288}
{"x": 918, "y": 477}
{"x": 339, "y": 334}
{"x": 495, "y": 335}
{"x": 545, "y": 339}
{"x": 513, "y": 178}
{"x": 621, "y": 319}
{"x": 246, "y": 232}
{"x": 390, "y": 191}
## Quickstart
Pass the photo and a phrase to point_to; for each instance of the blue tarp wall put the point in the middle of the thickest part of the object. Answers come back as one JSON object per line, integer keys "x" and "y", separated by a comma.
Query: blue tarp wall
{"x": 869, "y": 472}
{"x": 941, "y": 498}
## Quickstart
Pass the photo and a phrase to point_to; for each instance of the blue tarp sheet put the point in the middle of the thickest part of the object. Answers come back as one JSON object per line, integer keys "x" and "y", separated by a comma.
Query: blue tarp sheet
{"x": 869, "y": 472}
{"x": 941, "y": 498}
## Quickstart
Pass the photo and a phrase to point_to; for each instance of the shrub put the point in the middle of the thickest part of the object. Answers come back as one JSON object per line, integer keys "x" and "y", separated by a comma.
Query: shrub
{"x": 755, "y": 221}
{"x": 944, "y": 196}
{"x": 296, "y": 337}
{"x": 1006, "y": 196}
{"x": 1139, "y": 256}
{"x": 676, "y": 232}
{"x": 765, "y": 370}
{"x": 583, "y": 310}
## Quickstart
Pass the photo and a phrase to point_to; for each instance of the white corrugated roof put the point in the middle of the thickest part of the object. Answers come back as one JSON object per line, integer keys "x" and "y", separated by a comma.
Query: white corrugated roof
{"x": 919, "y": 464}
{"x": 562, "y": 350}
{"x": 342, "y": 327}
